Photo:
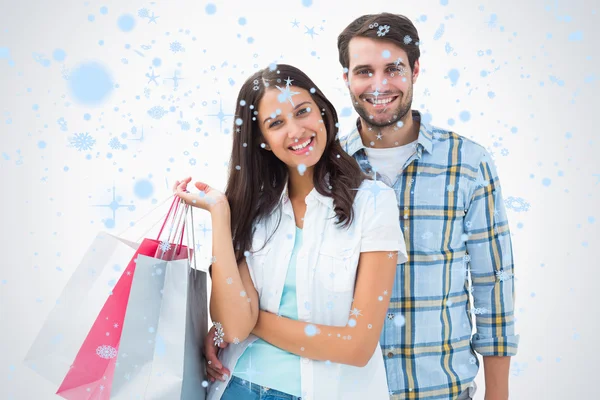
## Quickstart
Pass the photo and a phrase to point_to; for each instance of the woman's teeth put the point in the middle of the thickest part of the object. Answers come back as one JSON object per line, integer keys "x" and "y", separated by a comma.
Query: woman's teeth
{"x": 302, "y": 146}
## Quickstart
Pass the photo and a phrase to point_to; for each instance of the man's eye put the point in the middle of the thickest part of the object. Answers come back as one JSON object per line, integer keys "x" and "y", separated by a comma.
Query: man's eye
{"x": 362, "y": 72}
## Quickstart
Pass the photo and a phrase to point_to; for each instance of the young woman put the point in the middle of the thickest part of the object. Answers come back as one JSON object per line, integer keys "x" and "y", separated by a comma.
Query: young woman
{"x": 305, "y": 250}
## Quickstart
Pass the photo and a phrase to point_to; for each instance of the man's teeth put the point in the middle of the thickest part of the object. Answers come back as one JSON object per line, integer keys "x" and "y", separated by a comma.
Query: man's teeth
{"x": 383, "y": 101}
{"x": 301, "y": 146}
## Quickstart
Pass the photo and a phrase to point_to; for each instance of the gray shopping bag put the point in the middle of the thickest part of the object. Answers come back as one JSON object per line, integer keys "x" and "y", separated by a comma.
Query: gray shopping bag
{"x": 161, "y": 350}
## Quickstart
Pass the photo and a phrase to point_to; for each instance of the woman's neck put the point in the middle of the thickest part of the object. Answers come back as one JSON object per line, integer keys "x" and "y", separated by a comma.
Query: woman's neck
{"x": 299, "y": 186}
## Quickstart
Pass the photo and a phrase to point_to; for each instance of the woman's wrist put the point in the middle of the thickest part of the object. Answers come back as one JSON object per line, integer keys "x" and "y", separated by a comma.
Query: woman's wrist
{"x": 220, "y": 211}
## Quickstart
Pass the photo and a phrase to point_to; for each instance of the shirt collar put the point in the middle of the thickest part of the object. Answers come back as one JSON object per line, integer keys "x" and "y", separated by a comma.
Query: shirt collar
{"x": 354, "y": 142}
{"x": 284, "y": 200}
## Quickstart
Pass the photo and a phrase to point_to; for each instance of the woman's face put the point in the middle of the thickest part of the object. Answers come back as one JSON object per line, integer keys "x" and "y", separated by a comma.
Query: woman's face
{"x": 292, "y": 126}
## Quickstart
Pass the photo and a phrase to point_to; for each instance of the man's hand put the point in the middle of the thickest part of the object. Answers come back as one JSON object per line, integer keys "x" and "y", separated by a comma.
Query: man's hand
{"x": 214, "y": 368}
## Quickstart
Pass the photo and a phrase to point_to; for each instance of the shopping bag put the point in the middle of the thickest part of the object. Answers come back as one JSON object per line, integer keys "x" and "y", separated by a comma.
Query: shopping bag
{"x": 161, "y": 351}
{"x": 90, "y": 375}
{"x": 76, "y": 347}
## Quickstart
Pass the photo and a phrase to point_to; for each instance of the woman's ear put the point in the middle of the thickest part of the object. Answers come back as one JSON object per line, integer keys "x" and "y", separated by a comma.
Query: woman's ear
{"x": 265, "y": 146}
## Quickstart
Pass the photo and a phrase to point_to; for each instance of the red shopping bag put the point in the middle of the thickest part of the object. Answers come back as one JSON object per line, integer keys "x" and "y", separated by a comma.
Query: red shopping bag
{"x": 90, "y": 375}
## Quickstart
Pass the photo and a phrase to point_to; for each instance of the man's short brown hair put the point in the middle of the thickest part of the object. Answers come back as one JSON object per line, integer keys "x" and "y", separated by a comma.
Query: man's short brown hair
{"x": 389, "y": 27}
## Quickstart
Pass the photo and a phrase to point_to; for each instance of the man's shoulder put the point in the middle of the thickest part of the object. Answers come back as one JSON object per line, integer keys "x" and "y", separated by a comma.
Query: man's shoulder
{"x": 446, "y": 140}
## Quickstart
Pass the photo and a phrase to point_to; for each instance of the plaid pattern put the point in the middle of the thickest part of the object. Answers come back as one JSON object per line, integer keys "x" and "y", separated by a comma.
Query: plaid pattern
{"x": 458, "y": 242}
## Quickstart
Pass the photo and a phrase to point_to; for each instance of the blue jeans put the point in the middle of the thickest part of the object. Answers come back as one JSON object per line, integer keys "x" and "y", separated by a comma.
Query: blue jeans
{"x": 237, "y": 389}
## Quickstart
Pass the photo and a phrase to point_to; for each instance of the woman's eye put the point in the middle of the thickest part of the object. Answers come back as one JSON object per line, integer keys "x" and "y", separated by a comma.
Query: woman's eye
{"x": 303, "y": 111}
{"x": 273, "y": 124}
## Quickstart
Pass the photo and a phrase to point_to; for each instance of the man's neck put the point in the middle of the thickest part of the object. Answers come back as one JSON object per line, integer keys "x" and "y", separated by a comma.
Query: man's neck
{"x": 391, "y": 135}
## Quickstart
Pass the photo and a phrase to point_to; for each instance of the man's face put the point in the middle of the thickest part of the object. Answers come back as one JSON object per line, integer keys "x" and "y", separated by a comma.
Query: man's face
{"x": 380, "y": 81}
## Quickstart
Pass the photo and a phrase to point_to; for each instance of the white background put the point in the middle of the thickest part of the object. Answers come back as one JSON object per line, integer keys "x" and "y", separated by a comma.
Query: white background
{"x": 540, "y": 61}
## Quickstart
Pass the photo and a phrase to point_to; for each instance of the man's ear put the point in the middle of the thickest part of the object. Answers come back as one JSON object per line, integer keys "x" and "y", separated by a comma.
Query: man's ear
{"x": 416, "y": 71}
{"x": 345, "y": 78}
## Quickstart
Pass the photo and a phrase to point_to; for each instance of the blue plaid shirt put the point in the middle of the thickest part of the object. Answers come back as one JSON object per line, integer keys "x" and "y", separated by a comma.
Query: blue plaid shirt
{"x": 458, "y": 243}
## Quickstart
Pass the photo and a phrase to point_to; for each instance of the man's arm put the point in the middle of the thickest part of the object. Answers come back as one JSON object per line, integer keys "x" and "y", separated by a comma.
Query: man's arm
{"x": 496, "y": 369}
{"x": 490, "y": 251}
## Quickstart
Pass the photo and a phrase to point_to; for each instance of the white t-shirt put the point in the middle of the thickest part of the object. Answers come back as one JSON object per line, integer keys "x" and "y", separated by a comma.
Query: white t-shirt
{"x": 326, "y": 270}
{"x": 389, "y": 162}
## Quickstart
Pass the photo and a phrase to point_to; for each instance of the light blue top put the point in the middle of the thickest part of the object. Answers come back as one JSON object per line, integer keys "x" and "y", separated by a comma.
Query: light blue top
{"x": 267, "y": 365}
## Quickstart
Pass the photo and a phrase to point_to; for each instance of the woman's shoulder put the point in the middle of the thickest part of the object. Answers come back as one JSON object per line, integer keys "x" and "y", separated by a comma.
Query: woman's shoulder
{"x": 371, "y": 190}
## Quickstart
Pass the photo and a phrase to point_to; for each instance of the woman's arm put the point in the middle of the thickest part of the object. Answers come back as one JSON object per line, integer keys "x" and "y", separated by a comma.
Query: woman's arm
{"x": 353, "y": 345}
{"x": 233, "y": 299}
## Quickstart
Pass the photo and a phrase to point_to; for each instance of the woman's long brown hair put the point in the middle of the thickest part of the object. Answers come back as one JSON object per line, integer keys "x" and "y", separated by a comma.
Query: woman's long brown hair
{"x": 257, "y": 178}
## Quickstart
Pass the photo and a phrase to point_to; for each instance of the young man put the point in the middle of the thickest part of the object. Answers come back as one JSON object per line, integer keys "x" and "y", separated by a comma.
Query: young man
{"x": 454, "y": 223}
{"x": 453, "y": 218}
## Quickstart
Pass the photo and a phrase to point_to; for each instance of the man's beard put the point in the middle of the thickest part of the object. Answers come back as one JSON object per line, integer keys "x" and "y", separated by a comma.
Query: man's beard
{"x": 398, "y": 114}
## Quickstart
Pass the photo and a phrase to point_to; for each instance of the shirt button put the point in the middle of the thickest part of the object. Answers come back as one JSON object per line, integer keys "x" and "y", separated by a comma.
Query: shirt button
{"x": 390, "y": 354}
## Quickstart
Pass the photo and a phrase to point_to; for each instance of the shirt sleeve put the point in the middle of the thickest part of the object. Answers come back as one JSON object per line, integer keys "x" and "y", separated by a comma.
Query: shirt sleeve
{"x": 381, "y": 221}
{"x": 490, "y": 254}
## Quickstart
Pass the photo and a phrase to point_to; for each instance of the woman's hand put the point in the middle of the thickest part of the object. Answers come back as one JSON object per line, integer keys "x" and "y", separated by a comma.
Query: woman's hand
{"x": 208, "y": 199}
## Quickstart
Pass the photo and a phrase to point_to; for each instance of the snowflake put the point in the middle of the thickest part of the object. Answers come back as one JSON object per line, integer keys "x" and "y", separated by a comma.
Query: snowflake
{"x": 63, "y": 124}
{"x": 517, "y": 368}
{"x": 157, "y": 112}
{"x": 427, "y": 235}
{"x": 502, "y": 275}
{"x": 286, "y": 94}
{"x": 472, "y": 360}
{"x": 478, "y": 311}
{"x": 192, "y": 161}
{"x": 517, "y": 204}
{"x": 355, "y": 312}
{"x": 82, "y": 141}
{"x": 106, "y": 352}
{"x": 114, "y": 143}
{"x": 164, "y": 246}
{"x": 383, "y": 30}
{"x": 467, "y": 258}
{"x": 185, "y": 126}
{"x": 147, "y": 92}
{"x": 176, "y": 47}
{"x": 492, "y": 22}
{"x": 143, "y": 13}
{"x": 390, "y": 316}
{"x": 468, "y": 224}
{"x": 236, "y": 341}
{"x": 504, "y": 152}
{"x": 407, "y": 39}
{"x": 229, "y": 281}
{"x": 439, "y": 32}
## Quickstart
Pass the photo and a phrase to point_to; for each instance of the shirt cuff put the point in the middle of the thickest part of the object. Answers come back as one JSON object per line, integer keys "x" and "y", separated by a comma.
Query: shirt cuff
{"x": 495, "y": 346}
{"x": 389, "y": 245}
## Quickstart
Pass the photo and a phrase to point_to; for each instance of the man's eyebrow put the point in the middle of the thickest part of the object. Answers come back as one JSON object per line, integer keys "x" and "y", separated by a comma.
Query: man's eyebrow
{"x": 396, "y": 63}
{"x": 295, "y": 108}
{"x": 360, "y": 67}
